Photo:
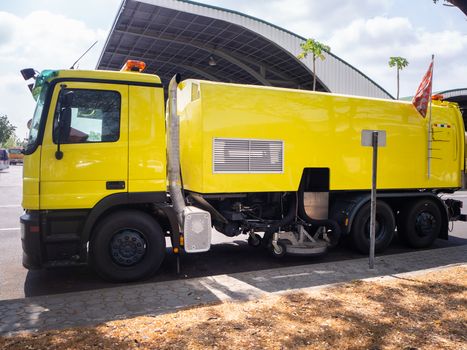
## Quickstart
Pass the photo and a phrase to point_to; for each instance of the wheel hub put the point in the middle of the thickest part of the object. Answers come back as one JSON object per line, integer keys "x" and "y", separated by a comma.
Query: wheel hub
{"x": 424, "y": 224}
{"x": 127, "y": 247}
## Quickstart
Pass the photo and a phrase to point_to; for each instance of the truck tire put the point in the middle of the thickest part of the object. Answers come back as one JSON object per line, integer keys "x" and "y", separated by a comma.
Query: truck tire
{"x": 385, "y": 227}
{"x": 127, "y": 246}
{"x": 420, "y": 223}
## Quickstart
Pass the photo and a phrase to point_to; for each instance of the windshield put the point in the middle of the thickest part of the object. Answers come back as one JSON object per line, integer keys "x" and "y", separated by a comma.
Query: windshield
{"x": 36, "y": 119}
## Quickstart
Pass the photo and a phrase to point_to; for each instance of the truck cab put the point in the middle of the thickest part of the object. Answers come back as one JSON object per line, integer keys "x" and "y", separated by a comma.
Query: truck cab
{"x": 107, "y": 151}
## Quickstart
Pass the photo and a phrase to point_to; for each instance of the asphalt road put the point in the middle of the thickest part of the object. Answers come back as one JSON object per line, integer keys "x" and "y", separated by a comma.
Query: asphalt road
{"x": 227, "y": 255}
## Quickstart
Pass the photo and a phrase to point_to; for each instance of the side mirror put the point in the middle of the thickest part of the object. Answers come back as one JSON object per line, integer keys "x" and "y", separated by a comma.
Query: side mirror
{"x": 64, "y": 121}
{"x": 28, "y": 73}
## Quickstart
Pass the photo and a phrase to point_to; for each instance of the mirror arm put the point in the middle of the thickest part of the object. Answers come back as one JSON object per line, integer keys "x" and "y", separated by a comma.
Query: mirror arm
{"x": 58, "y": 152}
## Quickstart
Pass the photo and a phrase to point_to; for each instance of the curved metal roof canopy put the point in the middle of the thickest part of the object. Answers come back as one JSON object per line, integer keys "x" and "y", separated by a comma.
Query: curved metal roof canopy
{"x": 460, "y": 97}
{"x": 206, "y": 42}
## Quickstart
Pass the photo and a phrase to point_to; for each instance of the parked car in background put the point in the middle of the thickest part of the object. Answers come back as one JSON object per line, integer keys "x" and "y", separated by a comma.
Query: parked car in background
{"x": 4, "y": 159}
{"x": 16, "y": 155}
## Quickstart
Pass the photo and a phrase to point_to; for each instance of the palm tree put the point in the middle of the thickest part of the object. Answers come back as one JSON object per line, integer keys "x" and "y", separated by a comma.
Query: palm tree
{"x": 314, "y": 47}
{"x": 400, "y": 63}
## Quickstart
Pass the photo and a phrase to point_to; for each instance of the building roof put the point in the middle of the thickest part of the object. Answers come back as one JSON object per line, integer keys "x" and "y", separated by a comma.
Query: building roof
{"x": 454, "y": 94}
{"x": 460, "y": 97}
{"x": 206, "y": 42}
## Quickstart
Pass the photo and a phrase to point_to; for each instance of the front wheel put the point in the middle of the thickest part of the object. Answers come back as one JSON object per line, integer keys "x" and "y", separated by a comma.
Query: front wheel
{"x": 384, "y": 232}
{"x": 127, "y": 246}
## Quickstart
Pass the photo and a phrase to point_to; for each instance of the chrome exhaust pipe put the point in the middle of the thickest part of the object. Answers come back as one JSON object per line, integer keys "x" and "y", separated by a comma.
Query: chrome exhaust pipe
{"x": 173, "y": 150}
{"x": 195, "y": 223}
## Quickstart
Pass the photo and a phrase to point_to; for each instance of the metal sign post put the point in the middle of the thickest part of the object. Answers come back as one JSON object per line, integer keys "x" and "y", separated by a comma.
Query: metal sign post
{"x": 375, "y": 139}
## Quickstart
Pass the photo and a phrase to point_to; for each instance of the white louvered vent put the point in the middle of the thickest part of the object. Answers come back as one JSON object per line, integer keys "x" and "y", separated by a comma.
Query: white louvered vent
{"x": 248, "y": 156}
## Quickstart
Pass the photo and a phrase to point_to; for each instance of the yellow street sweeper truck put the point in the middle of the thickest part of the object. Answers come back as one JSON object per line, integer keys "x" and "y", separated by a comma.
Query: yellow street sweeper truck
{"x": 110, "y": 172}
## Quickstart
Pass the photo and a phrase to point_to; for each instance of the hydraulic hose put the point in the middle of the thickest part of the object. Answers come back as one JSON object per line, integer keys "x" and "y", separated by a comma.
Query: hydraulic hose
{"x": 287, "y": 219}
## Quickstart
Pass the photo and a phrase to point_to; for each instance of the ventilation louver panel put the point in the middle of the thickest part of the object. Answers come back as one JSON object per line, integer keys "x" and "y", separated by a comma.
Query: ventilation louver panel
{"x": 248, "y": 156}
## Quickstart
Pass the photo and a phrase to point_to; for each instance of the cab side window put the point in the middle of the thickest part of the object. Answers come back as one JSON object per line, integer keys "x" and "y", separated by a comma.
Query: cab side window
{"x": 95, "y": 116}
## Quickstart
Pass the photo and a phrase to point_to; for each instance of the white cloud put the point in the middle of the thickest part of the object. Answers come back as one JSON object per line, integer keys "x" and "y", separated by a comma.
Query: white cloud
{"x": 7, "y": 24}
{"x": 305, "y": 17}
{"x": 44, "y": 39}
{"x": 366, "y": 33}
{"x": 368, "y": 44}
{"x": 41, "y": 40}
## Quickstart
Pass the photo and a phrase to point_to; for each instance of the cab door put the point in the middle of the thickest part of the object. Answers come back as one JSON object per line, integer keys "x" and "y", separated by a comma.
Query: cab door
{"x": 95, "y": 148}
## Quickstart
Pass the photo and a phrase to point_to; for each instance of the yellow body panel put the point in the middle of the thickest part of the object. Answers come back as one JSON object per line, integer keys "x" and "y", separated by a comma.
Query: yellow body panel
{"x": 31, "y": 171}
{"x": 147, "y": 143}
{"x": 79, "y": 179}
{"x": 319, "y": 130}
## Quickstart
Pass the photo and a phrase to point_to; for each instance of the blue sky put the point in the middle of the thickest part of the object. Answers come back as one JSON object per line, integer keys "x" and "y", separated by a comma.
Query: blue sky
{"x": 53, "y": 34}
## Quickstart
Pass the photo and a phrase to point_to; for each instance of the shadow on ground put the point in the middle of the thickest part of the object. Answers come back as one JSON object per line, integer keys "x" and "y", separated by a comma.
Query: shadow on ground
{"x": 406, "y": 314}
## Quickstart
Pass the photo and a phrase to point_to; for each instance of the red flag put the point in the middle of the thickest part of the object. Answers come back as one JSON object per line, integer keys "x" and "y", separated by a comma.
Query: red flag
{"x": 423, "y": 95}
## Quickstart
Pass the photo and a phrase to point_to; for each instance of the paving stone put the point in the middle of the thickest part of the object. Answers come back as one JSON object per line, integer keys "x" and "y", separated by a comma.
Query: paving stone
{"x": 91, "y": 307}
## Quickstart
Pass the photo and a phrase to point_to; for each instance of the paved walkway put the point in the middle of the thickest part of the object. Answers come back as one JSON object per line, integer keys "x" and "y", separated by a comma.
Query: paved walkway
{"x": 92, "y": 307}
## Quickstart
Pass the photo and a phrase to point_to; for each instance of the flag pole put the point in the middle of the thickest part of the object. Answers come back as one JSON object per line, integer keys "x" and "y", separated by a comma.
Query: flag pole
{"x": 430, "y": 136}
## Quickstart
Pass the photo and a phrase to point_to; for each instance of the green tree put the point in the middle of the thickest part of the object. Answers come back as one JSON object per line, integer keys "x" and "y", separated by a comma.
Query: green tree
{"x": 13, "y": 141}
{"x": 314, "y": 47}
{"x": 400, "y": 63}
{"x": 7, "y": 129}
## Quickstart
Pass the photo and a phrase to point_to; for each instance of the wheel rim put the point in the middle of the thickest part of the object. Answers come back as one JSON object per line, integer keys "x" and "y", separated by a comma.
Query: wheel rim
{"x": 127, "y": 247}
{"x": 425, "y": 224}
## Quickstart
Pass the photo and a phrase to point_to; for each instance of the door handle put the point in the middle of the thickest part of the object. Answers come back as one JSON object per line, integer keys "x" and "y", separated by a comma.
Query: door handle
{"x": 115, "y": 185}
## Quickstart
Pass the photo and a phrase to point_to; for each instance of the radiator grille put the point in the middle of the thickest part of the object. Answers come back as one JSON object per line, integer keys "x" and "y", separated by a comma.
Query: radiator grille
{"x": 248, "y": 156}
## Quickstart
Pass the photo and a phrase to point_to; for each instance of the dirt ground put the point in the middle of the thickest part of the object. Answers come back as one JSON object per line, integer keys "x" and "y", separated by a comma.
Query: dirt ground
{"x": 423, "y": 312}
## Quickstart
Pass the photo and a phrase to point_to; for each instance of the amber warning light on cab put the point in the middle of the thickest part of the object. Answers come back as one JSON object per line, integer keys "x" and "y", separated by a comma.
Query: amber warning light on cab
{"x": 133, "y": 66}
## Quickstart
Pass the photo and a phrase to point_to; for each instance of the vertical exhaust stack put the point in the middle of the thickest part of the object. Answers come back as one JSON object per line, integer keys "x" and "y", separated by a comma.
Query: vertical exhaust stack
{"x": 195, "y": 223}
{"x": 173, "y": 150}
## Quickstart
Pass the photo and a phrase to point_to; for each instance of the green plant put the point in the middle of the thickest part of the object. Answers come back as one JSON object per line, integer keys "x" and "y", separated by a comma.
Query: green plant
{"x": 315, "y": 48}
{"x": 400, "y": 63}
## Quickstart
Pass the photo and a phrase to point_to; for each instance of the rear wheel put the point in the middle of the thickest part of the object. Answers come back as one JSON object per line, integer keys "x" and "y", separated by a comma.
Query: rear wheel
{"x": 420, "y": 223}
{"x": 127, "y": 246}
{"x": 384, "y": 232}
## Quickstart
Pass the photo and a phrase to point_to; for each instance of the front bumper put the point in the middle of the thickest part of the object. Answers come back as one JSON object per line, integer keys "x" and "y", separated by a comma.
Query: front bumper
{"x": 31, "y": 240}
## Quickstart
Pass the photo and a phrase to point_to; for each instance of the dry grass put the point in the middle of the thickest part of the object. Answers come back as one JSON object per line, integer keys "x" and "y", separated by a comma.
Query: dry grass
{"x": 423, "y": 312}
